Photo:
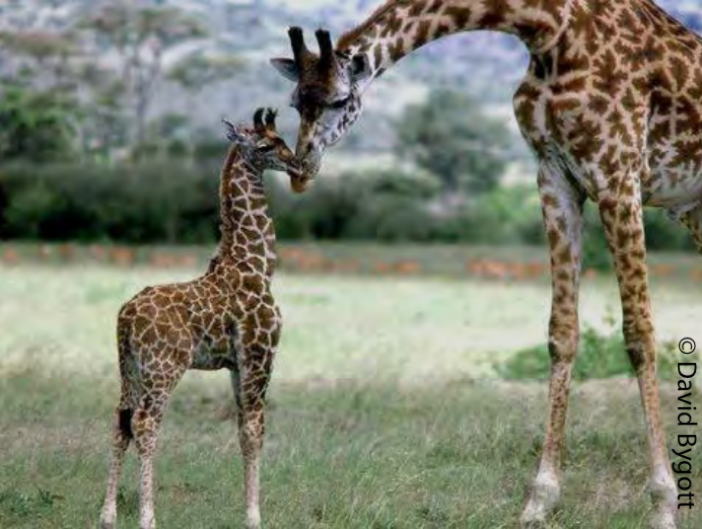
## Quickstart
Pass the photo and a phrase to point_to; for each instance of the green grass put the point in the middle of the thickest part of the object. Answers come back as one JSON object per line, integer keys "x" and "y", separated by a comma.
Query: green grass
{"x": 384, "y": 411}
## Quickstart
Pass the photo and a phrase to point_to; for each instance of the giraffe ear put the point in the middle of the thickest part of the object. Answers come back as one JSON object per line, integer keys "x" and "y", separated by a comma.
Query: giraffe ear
{"x": 233, "y": 134}
{"x": 287, "y": 68}
{"x": 360, "y": 68}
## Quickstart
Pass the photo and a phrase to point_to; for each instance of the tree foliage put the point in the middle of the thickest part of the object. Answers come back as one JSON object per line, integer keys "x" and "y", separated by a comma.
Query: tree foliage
{"x": 109, "y": 65}
{"x": 41, "y": 58}
{"x": 198, "y": 70}
{"x": 140, "y": 37}
{"x": 35, "y": 126}
{"x": 38, "y": 107}
{"x": 450, "y": 137}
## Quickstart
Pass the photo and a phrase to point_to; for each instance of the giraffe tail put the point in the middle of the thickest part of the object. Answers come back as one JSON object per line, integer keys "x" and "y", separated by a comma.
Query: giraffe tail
{"x": 125, "y": 423}
{"x": 126, "y": 406}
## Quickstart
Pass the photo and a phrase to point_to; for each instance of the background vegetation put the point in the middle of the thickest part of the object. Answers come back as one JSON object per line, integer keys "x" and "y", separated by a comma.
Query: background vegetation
{"x": 83, "y": 157}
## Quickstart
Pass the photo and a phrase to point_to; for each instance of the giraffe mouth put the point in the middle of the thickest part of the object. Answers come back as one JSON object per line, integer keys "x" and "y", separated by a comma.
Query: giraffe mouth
{"x": 299, "y": 181}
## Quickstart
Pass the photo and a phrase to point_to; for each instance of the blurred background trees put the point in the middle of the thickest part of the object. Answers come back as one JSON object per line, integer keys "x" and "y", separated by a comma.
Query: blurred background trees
{"x": 450, "y": 137}
{"x": 105, "y": 70}
{"x": 139, "y": 39}
{"x": 110, "y": 130}
{"x": 35, "y": 125}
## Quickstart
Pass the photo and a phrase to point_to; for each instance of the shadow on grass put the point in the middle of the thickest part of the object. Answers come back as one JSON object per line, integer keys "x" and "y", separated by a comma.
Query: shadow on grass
{"x": 338, "y": 455}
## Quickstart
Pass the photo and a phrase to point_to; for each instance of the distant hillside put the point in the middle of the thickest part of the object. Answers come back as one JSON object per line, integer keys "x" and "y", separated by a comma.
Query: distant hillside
{"x": 488, "y": 65}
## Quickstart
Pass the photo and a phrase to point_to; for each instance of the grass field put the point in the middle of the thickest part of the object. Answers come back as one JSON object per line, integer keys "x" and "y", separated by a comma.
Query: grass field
{"x": 384, "y": 408}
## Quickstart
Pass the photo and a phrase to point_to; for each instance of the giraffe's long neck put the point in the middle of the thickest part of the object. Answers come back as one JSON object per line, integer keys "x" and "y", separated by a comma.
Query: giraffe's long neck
{"x": 247, "y": 232}
{"x": 401, "y": 26}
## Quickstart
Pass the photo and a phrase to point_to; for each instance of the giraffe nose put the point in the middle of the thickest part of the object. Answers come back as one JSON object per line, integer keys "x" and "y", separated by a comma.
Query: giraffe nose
{"x": 294, "y": 169}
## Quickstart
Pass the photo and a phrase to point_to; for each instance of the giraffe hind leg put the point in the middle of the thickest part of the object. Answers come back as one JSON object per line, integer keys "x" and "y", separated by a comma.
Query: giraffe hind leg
{"x": 623, "y": 223}
{"x": 122, "y": 435}
{"x": 121, "y": 439}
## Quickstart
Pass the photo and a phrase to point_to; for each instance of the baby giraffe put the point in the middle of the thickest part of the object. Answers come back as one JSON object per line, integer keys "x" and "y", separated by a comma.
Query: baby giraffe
{"x": 225, "y": 319}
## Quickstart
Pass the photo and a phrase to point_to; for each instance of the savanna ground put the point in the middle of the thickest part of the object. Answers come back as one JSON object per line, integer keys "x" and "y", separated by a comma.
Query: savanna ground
{"x": 384, "y": 410}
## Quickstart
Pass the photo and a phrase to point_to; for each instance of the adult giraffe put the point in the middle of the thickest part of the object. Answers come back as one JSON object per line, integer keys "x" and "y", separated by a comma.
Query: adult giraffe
{"x": 611, "y": 106}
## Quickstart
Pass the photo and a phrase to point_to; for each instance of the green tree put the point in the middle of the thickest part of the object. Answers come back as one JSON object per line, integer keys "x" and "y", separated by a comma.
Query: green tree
{"x": 40, "y": 58}
{"x": 39, "y": 111}
{"x": 35, "y": 126}
{"x": 450, "y": 137}
{"x": 52, "y": 64}
{"x": 140, "y": 37}
{"x": 196, "y": 72}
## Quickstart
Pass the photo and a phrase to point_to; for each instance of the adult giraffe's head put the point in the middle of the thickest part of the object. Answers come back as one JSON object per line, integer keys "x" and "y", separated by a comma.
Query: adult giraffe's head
{"x": 327, "y": 96}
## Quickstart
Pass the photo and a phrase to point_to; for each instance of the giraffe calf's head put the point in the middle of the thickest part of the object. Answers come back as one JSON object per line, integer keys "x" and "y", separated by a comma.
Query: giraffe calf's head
{"x": 262, "y": 148}
{"x": 327, "y": 95}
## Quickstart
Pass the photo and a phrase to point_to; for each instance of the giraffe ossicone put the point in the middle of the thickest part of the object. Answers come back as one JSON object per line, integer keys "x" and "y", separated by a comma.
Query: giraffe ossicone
{"x": 611, "y": 105}
{"x": 226, "y": 319}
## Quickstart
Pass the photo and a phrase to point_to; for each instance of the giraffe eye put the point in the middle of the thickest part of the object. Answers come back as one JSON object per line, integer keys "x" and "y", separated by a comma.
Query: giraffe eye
{"x": 265, "y": 147}
{"x": 341, "y": 103}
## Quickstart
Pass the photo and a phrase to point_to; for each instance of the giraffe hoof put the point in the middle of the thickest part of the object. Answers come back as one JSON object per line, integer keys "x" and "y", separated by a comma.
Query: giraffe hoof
{"x": 253, "y": 519}
{"x": 542, "y": 501}
{"x": 663, "y": 520}
{"x": 664, "y": 496}
{"x": 532, "y": 521}
{"x": 107, "y": 522}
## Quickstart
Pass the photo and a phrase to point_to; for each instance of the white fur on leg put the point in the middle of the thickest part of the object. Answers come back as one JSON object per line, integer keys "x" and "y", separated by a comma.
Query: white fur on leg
{"x": 108, "y": 516}
{"x": 253, "y": 513}
{"x": 253, "y": 518}
{"x": 146, "y": 518}
{"x": 664, "y": 495}
{"x": 544, "y": 497}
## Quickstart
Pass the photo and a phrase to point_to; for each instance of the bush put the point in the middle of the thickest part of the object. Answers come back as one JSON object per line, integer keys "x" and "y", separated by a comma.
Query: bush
{"x": 35, "y": 124}
{"x": 450, "y": 137}
{"x": 386, "y": 206}
{"x": 176, "y": 201}
{"x": 391, "y": 218}
{"x": 505, "y": 216}
{"x": 665, "y": 234}
{"x": 145, "y": 203}
{"x": 600, "y": 356}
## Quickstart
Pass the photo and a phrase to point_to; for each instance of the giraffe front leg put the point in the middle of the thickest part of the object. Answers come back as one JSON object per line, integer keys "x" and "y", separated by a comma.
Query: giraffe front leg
{"x": 252, "y": 383}
{"x": 562, "y": 211}
{"x": 622, "y": 218}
